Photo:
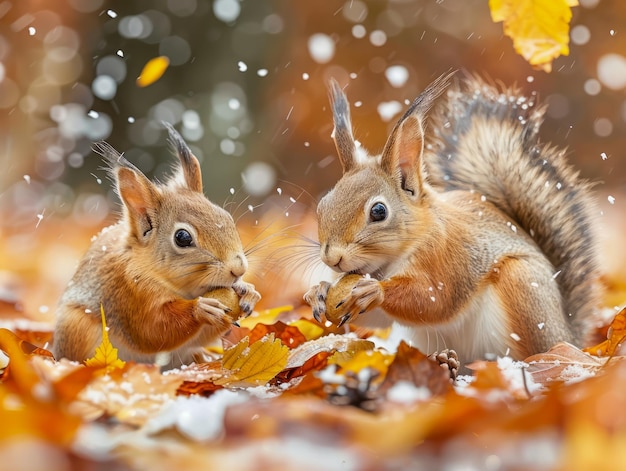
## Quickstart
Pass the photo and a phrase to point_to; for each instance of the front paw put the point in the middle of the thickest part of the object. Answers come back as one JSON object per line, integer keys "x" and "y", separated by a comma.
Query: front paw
{"x": 212, "y": 312}
{"x": 366, "y": 294}
{"x": 248, "y": 296}
{"x": 316, "y": 298}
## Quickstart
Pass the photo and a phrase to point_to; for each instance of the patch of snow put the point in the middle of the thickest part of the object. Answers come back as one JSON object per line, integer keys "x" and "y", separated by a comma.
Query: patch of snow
{"x": 405, "y": 392}
{"x": 198, "y": 418}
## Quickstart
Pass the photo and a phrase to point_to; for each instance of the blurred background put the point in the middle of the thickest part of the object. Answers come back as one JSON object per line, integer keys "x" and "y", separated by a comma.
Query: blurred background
{"x": 246, "y": 86}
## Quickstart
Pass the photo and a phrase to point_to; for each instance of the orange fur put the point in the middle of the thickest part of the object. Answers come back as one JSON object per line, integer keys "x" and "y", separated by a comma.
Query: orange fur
{"x": 150, "y": 286}
{"x": 473, "y": 251}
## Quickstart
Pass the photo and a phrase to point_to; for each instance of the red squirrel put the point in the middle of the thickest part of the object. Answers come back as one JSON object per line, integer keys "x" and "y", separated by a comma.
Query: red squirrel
{"x": 467, "y": 228}
{"x": 151, "y": 270}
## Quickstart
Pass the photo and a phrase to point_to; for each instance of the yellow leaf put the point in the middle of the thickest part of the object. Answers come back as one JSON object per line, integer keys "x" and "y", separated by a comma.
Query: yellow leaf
{"x": 363, "y": 359}
{"x": 310, "y": 330}
{"x": 153, "y": 71}
{"x": 254, "y": 364}
{"x": 106, "y": 354}
{"x": 539, "y": 28}
{"x": 268, "y": 317}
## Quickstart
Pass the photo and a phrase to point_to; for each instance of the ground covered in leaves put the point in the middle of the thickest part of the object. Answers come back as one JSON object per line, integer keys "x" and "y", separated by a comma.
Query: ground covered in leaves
{"x": 287, "y": 392}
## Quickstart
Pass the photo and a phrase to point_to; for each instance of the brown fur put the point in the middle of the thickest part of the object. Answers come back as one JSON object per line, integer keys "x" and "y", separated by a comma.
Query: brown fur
{"x": 150, "y": 288}
{"x": 472, "y": 242}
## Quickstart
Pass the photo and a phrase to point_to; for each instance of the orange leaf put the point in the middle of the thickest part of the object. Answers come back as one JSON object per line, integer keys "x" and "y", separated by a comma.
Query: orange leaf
{"x": 153, "y": 71}
{"x": 20, "y": 371}
{"x": 288, "y": 334}
{"x": 201, "y": 388}
{"x": 413, "y": 366}
{"x": 106, "y": 354}
{"x": 614, "y": 337}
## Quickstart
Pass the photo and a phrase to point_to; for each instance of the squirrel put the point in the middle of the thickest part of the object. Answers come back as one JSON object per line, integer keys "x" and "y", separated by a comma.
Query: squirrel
{"x": 471, "y": 233}
{"x": 150, "y": 270}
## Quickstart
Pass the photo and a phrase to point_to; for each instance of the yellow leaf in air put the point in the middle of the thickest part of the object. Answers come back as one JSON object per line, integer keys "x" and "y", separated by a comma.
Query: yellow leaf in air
{"x": 254, "y": 364}
{"x": 539, "y": 28}
{"x": 106, "y": 354}
{"x": 153, "y": 71}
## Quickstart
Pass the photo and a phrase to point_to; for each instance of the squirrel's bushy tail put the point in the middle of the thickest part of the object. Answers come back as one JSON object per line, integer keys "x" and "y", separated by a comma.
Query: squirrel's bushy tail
{"x": 485, "y": 138}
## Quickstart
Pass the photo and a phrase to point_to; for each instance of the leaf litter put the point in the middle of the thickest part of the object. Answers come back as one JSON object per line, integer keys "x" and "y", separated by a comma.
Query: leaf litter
{"x": 332, "y": 393}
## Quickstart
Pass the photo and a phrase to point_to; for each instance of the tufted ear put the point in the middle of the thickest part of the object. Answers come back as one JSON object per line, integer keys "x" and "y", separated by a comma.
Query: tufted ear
{"x": 402, "y": 154}
{"x": 342, "y": 134}
{"x": 190, "y": 172}
{"x": 141, "y": 200}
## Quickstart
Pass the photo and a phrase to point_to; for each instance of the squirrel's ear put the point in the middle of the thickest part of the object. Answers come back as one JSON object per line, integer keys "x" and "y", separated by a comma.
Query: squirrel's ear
{"x": 140, "y": 200}
{"x": 189, "y": 165}
{"x": 402, "y": 155}
{"x": 342, "y": 134}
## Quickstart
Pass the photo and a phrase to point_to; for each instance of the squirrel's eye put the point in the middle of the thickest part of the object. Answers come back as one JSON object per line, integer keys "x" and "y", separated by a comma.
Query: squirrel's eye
{"x": 183, "y": 238}
{"x": 378, "y": 212}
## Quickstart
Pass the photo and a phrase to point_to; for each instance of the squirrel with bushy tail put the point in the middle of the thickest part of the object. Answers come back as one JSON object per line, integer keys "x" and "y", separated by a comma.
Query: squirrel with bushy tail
{"x": 467, "y": 229}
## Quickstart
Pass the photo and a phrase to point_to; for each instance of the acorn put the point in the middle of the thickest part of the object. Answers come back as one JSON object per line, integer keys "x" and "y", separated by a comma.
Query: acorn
{"x": 228, "y": 298}
{"x": 338, "y": 292}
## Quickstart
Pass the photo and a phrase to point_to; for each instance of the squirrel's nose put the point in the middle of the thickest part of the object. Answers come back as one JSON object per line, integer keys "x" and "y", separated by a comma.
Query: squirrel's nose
{"x": 238, "y": 266}
{"x": 331, "y": 255}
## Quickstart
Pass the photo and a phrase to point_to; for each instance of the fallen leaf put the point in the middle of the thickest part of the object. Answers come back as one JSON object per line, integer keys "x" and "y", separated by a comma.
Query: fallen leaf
{"x": 413, "y": 366}
{"x": 314, "y": 363}
{"x": 254, "y": 364}
{"x": 361, "y": 359}
{"x": 153, "y": 71}
{"x": 289, "y": 335}
{"x": 197, "y": 388}
{"x": 331, "y": 343}
{"x": 267, "y": 316}
{"x": 131, "y": 395}
{"x": 561, "y": 363}
{"x": 539, "y": 29}
{"x": 310, "y": 330}
{"x": 615, "y": 336}
{"x": 106, "y": 355}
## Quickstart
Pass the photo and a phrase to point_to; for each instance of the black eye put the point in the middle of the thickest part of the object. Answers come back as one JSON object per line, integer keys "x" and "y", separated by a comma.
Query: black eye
{"x": 183, "y": 238}
{"x": 378, "y": 212}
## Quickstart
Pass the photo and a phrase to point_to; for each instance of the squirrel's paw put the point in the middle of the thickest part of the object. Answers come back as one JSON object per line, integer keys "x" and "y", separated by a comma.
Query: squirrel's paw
{"x": 248, "y": 296}
{"x": 214, "y": 313}
{"x": 316, "y": 298}
{"x": 448, "y": 360}
{"x": 367, "y": 294}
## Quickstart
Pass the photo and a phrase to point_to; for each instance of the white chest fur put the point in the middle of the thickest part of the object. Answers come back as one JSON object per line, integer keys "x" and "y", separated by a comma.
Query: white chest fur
{"x": 478, "y": 332}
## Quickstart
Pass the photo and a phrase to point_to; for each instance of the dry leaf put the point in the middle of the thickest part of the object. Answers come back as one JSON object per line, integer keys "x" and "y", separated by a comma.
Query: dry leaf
{"x": 195, "y": 388}
{"x": 153, "y": 71}
{"x": 315, "y": 363}
{"x": 539, "y": 29}
{"x": 254, "y": 364}
{"x": 331, "y": 343}
{"x": 413, "y": 366}
{"x": 290, "y": 336}
{"x": 132, "y": 395}
{"x": 267, "y": 316}
{"x": 614, "y": 337}
{"x": 310, "y": 330}
{"x": 561, "y": 363}
{"x": 106, "y": 355}
{"x": 358, "y": 360}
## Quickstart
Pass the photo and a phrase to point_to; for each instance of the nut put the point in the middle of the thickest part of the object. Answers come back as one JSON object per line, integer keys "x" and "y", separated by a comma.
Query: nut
{"x": 227, "y": 297}
{"x": 339, "y": 291}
